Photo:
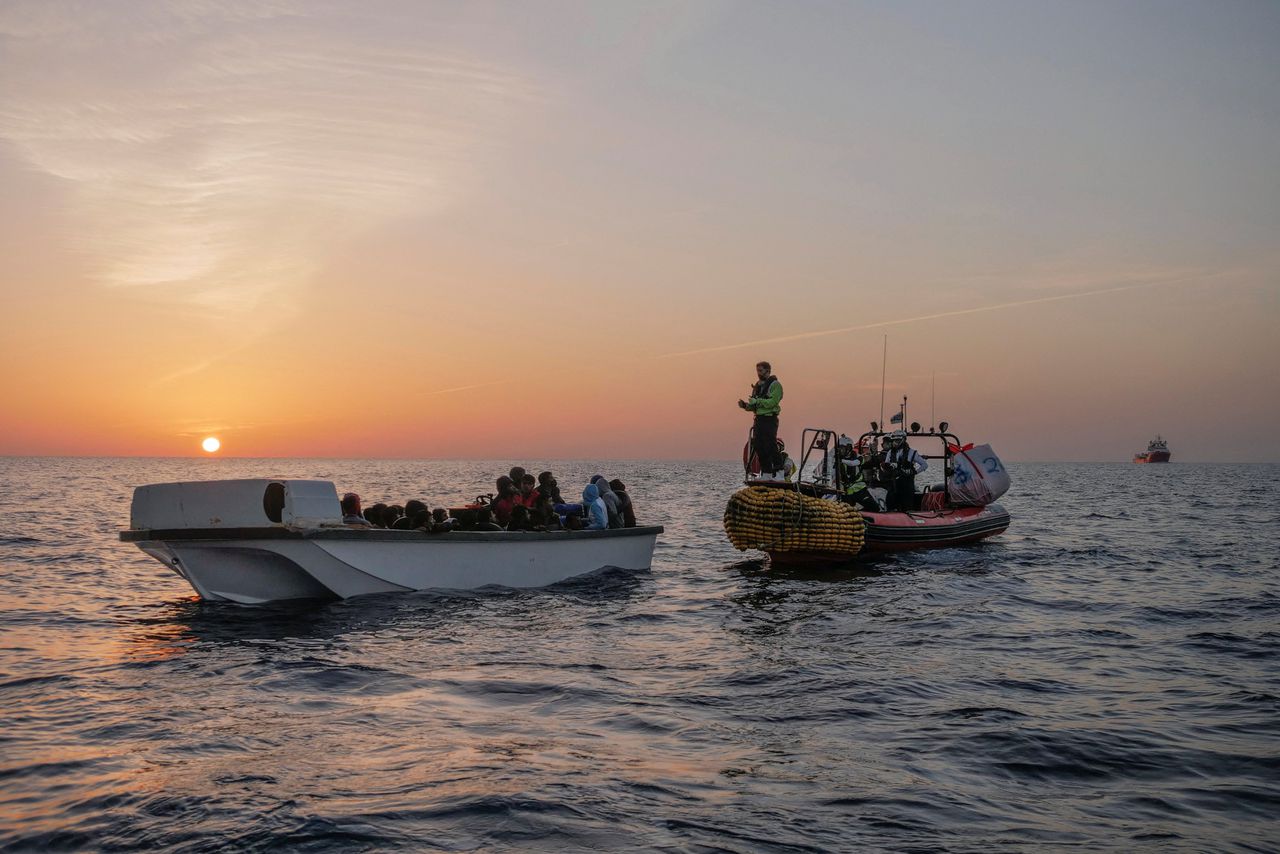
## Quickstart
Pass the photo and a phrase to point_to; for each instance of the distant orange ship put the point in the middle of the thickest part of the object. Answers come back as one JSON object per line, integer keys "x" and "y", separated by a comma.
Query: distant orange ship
{"x": 1157, "y": 452}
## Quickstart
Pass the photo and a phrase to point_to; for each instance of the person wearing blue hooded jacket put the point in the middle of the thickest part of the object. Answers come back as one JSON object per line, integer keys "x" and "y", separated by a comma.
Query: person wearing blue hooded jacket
{"x": 596, "y": 512}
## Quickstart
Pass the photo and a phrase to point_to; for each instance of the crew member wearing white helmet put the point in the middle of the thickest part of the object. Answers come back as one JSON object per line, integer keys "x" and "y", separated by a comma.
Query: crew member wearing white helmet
{"x": 900, "y": 463}
{"x": 852, "y": 483}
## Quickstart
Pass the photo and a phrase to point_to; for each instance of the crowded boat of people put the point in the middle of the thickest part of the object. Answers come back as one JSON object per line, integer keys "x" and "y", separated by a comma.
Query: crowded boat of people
{"x": 255, "y": 540}
{"x": 520, "y": 502}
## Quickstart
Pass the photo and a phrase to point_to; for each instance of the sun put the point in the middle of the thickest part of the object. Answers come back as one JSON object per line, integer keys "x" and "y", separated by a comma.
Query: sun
{"x": 211, "y": 444}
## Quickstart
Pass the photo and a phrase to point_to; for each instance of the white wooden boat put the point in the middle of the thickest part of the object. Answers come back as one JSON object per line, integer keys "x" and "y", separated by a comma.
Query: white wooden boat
{"x": 262, "y": 540}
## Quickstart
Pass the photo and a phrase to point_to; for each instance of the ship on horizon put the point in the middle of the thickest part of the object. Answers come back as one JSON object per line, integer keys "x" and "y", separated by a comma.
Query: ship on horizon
{"x": 1157, "y": 452}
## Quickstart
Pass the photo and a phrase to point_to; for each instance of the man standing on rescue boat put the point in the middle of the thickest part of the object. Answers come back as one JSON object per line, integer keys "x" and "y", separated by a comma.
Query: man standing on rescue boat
{"x": 901, "y": 463}
{"x": 766, "y": 403}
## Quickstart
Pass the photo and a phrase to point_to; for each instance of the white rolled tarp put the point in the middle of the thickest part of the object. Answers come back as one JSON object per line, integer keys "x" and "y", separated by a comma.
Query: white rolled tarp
{"x": 978, "y": 477}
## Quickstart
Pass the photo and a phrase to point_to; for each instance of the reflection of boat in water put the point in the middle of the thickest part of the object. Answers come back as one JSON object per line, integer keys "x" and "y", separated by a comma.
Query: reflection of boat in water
{"x": 260, "y": 540}
{"x": 804, "y": 521}
{"x": 1157, "y": 452}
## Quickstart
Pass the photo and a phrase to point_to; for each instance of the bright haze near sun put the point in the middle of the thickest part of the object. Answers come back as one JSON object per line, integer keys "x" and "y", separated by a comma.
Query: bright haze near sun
{"x": 402, "y": 229}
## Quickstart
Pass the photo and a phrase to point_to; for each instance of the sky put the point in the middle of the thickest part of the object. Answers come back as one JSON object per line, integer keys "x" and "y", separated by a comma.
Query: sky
{"x": 536, "y": 230}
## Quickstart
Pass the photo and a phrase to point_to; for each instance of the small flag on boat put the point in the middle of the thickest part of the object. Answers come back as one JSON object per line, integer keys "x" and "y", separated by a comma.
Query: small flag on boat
{"x": 896, "y": 419}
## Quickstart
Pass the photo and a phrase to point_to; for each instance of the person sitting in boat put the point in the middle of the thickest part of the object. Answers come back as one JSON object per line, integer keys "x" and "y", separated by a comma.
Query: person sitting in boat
{"x": 547, "y": 485}
{"x": 544, "y": 514}
{"x": 392, "y": 515}
{"x": 528, "y": 491}
{"x": 624, "y": 501}
{"x": 506, "y": 500}
{"x": 820, "y": 464}
{"x": 520, "y": 519}
{"x": 901, "y": 463}
{"x": 612, "y": 506}
{"x": 550, "y": 487}
{"x": 351, "y": 514}
{"x": 484, "y": 521}
{"x": 597, "y": 514}
{"x": 374, "y": 514}
{"x": 853, "y": 484}
{"x": 517, "y": 475}
{"x": 413, "y": 508}
{"x": 440, "y": 522}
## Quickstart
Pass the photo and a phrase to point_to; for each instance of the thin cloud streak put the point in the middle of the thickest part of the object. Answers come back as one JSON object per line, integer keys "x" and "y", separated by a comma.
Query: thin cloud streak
{"x": 466, "y": 387}
{"x": 219, "y": 172}
{"x": 800, "y": 336}
{"x": 248, "y": 141}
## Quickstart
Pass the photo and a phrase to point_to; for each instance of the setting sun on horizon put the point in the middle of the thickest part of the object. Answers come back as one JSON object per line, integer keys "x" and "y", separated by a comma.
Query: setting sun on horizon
{"x": 211, "y": 445}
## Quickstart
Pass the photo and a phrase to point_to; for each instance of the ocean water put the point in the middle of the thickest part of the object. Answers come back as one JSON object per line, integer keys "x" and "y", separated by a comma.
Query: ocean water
{"x": 1104, "y": 676}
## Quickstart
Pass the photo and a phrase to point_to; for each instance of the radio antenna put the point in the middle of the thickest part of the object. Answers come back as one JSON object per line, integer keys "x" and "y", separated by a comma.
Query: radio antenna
{"x": 884, "y": 360}
{"x": 933, "y": 389}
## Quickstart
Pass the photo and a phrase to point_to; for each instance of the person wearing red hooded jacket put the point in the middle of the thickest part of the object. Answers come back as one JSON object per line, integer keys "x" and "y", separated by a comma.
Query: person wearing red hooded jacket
{"x": 508, "y": 497}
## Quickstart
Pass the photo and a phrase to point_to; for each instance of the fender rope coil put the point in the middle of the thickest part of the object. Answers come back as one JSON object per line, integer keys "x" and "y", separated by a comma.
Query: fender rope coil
{"x": 772, "y": 519}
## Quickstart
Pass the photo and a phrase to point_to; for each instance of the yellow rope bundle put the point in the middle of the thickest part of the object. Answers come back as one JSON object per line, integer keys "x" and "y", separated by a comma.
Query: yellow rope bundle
{"x": 773, "y": 519}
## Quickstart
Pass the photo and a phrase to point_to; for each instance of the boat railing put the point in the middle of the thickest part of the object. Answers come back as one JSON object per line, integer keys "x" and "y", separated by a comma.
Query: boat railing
{"x": 819, "y": 471}
{"x": 827, "y": 475}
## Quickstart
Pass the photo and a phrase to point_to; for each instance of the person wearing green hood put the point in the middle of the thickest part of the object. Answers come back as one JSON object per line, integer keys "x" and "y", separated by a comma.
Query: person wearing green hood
{"x": 765, "y": 402}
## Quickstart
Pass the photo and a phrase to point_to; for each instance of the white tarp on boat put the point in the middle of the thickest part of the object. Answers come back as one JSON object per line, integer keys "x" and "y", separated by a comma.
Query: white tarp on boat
{"x": 978, "y": 478}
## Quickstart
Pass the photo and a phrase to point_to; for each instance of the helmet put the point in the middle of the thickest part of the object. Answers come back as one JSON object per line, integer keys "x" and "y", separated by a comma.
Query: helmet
{"x": 845, "y": 441}
{"x": 898, "y": 435}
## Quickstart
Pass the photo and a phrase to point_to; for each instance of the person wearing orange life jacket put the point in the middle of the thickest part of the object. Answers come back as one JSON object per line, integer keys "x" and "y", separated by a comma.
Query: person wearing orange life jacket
{"x": 766, "y": 402}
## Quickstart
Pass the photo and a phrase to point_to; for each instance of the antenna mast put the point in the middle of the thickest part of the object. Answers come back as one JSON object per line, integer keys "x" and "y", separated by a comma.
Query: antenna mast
{"x": 884, "y": 359}
{"x": 933, "y": 388}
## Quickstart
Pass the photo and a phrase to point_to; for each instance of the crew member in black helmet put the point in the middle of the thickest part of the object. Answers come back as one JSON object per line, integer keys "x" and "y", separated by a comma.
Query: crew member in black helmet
{"x": 766, "y": 403}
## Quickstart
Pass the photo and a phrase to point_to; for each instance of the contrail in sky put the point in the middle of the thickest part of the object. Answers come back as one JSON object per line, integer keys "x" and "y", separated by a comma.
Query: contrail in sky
{"x": 467, "y": 387}
{"x": 881, "y": 323}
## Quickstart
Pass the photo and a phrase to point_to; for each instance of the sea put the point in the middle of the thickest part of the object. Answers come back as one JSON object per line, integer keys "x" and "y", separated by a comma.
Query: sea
{"x": 1105, "y": 676}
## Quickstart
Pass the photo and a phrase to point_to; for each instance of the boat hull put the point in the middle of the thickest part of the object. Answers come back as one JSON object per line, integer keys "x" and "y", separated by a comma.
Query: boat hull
{"x": 898, "y": 532}
{"x": 253, "y": 566}
{"x": 957, "y": 526}
{"x": 1153, "y": 457}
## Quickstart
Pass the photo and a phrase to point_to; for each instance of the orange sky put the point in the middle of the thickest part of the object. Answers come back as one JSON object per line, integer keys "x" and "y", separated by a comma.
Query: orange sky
{"x": 457, "y": 231}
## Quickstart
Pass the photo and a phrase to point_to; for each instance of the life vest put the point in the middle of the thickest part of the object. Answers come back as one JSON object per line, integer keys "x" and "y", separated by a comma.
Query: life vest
{"x": 853, "y": 481}
{"x": 502, "y": 508}
{"x": 760, "y": 392}
{"x": 902, "y": 454}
